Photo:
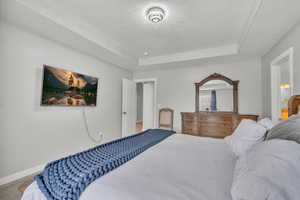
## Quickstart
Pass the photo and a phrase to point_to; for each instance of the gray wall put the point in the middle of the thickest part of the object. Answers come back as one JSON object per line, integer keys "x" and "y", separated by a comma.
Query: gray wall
{"x": 176, "y": 85}
{"x": 291, "y": 39}
{"x": 31, "y": 135}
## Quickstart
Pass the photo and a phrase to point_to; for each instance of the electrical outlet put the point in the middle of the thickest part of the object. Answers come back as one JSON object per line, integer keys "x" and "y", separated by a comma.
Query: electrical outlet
{"x": 100, "y": 134}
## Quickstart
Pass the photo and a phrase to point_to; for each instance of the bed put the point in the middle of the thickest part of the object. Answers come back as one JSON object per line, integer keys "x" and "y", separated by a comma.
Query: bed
{"x": 173, "y": 169}
{"x": 179, "y": 167}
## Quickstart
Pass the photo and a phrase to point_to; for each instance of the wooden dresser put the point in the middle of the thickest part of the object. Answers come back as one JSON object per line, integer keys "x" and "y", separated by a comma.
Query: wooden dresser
{"x": 212, "y": 124}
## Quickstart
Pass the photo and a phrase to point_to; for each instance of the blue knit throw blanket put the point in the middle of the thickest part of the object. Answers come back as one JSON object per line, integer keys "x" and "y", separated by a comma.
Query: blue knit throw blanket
{"x": 66, "y": 179}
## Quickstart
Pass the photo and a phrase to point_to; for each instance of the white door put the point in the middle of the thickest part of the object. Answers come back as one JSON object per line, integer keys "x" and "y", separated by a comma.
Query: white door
{"x": 282, "y": 77}
{"x": 275, "y": 92}
{"x": 148, "y": 105}
{"x": 129, "y": 107}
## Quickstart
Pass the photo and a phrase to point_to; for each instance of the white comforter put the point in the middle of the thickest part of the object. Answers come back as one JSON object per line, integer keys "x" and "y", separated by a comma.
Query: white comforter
{"x": 180, "y": 167}
{"x": 271, "y": 170}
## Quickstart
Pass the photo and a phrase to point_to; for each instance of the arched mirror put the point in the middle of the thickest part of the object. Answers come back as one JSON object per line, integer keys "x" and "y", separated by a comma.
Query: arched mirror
{"x": 216, "y": 93}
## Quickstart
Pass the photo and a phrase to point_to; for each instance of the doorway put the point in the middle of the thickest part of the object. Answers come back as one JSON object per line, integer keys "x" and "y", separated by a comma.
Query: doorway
{"x": 281, "y": 84}
{"x": 146, "y": 104}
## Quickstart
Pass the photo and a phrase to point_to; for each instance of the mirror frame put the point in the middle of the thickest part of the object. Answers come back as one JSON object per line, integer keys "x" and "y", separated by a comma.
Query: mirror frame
{"x": 215, "y": 76}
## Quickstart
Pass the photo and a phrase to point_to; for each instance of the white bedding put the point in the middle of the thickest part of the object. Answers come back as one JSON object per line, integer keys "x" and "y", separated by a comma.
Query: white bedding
{"x": 180, "y": 167}
{"x": 271, "y": 170}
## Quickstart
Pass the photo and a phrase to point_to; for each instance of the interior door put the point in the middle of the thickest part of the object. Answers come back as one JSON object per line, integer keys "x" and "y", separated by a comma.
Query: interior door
{"x": 129, "y": 107}
{"x": 148, "y": 105}
{"x": 275, "y": 92}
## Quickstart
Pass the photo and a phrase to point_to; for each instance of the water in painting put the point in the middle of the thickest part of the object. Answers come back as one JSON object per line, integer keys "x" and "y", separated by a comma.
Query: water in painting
{"x": 66, "y": 88}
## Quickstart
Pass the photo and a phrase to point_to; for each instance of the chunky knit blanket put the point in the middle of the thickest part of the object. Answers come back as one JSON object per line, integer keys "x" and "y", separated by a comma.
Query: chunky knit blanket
{"x": 66, "y": 179}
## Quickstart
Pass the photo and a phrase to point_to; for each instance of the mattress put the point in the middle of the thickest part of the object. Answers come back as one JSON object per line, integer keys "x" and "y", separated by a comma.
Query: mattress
{"x": 180, "y": 167}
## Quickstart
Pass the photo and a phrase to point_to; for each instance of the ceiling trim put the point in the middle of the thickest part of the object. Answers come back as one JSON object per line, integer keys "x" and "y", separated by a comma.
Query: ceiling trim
{"x": 82, "y": 28}
{"x": 39, "y": 22}
{"x": 248, "y": 25}
{"x": 119, "y": 56}
{"x": 232, "y": 49}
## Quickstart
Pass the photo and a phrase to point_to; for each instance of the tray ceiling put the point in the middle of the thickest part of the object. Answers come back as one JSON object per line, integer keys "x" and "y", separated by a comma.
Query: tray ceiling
{"x": 116, "y": 30}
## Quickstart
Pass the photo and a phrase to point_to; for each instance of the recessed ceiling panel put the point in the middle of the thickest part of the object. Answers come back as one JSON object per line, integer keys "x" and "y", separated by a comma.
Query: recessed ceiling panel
{"x": 119, "y": 32}
{"x": 189, "y": 24}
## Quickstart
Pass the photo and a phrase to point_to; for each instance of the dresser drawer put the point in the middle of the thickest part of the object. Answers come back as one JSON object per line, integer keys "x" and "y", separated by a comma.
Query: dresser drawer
{"x": 215, "y": 131}
{"x": 214, "y": 122}
{"x": 209, "y": 124}
{"x": 215, "y": 125}
{"x": 215, "y": 118}
{"x": 188, "y": 116}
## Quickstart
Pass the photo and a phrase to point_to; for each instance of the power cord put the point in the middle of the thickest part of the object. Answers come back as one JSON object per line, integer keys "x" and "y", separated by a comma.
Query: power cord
{"x": 88, "y": 130}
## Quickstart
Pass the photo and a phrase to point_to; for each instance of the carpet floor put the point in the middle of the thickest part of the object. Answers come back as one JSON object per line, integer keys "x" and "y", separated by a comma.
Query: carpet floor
{"x": 14, "y": 190}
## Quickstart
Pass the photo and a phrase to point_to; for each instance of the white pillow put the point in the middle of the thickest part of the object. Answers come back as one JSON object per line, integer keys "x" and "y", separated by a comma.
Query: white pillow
{"x": 268, "y": 171}
{"x": 245, "y": 136}
{"x": 267, "y": 123}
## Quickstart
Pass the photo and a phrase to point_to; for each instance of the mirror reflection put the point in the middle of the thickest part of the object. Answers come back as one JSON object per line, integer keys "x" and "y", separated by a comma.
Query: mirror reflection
{"x": 216, "y": 95}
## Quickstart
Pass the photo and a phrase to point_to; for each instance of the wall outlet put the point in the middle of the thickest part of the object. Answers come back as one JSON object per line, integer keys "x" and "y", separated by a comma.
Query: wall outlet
{"x": 100, "y": 134}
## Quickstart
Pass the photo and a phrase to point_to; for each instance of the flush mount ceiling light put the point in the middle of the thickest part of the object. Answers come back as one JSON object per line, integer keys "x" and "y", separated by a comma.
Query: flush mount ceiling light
{"x": 155, "y": 14}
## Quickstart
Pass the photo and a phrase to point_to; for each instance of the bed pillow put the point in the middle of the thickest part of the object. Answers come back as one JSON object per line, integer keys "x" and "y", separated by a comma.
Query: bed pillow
{"x": 287, "y": 130}
{"x": 267, "y": 123}
{"x": 268, "y": 171}
{"x": 245, "y": 136}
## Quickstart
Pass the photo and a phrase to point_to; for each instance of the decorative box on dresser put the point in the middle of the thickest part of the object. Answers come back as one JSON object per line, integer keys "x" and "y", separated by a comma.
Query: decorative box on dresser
{"x": 214, "y": 123}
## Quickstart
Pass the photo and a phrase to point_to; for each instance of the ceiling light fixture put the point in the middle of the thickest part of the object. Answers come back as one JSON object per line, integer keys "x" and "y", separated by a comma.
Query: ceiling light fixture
{"x": 155, "y": 14}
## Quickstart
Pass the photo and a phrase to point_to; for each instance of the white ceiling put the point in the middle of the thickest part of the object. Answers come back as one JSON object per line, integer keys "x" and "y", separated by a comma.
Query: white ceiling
{"x": 189, "y": 25}
{"x": 116, "y": 30}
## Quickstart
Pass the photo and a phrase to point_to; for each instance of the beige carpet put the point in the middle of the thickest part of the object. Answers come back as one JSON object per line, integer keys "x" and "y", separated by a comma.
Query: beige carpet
{"x": 22, "y": 187}
{"x": 14, "y": 190}
{"x": 139, "y": 127}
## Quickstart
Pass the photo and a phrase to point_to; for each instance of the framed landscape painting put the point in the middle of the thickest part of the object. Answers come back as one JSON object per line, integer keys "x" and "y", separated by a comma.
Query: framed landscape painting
{"x": 66, "y": 88}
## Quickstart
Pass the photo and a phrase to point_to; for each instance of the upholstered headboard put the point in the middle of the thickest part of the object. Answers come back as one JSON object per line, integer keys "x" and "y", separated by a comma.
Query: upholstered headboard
{"x": 294, "y": 105}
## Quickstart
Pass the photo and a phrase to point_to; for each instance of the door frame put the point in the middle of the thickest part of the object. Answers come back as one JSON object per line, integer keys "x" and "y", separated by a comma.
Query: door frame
{"x": 155, "y": 108}
{"x": 275, "y": 78}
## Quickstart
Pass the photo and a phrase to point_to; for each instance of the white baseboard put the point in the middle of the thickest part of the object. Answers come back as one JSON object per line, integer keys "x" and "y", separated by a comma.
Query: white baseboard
{"x": 21, "y": 174}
